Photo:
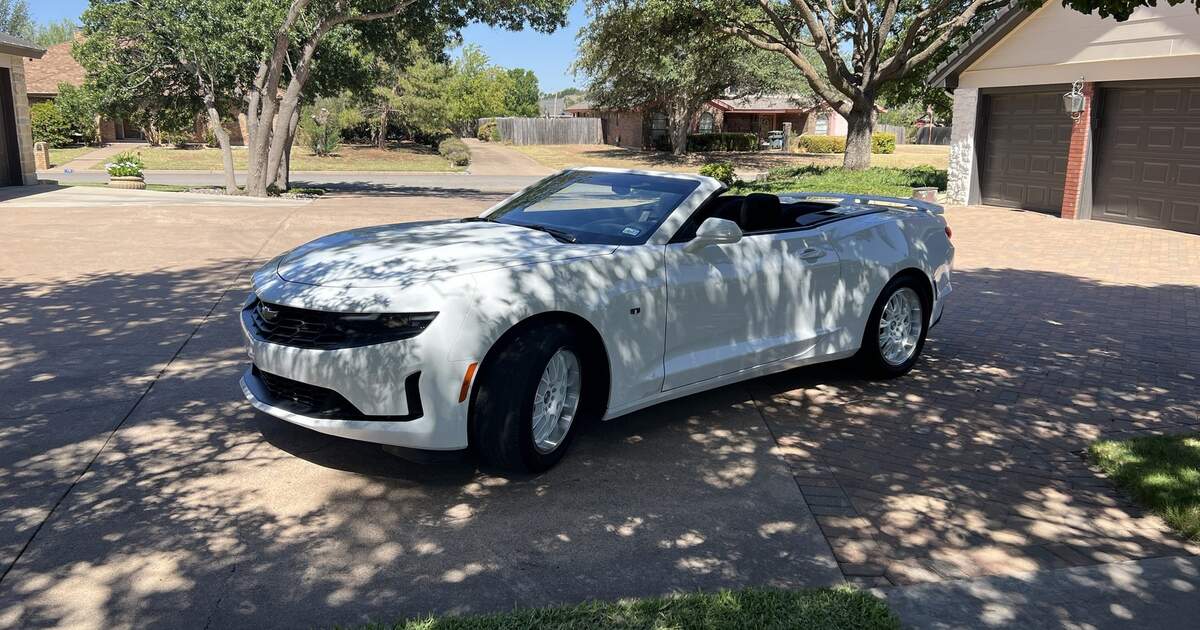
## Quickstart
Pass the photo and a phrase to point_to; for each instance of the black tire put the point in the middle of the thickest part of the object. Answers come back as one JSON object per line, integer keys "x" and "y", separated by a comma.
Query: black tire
{"x": 870, "y": 357}
{"x": 503, "y": 407}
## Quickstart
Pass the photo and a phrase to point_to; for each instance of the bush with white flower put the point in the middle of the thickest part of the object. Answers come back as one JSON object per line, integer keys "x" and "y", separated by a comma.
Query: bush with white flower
{"x": 126, "y": 164}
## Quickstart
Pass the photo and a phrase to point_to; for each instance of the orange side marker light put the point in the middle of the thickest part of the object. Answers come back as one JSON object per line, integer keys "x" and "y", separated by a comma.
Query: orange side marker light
{"x": 466, "y": 385}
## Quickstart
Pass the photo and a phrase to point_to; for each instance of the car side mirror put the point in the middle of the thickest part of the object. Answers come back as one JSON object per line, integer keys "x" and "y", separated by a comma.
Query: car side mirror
{"x": 714, "y": 231}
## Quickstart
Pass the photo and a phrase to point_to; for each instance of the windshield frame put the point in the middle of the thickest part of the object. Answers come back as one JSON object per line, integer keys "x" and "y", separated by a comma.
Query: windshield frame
{"x": 667, "y": 224}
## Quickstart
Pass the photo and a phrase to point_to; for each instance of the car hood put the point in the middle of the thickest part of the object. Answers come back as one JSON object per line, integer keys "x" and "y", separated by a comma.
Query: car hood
{"x": 388, "y": 255}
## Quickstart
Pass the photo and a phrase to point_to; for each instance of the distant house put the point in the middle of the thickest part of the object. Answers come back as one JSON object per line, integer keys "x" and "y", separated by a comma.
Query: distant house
{"x": 58, "y": 66}
{"x": 646, "y": 128}
{"x": 16, "y": 137}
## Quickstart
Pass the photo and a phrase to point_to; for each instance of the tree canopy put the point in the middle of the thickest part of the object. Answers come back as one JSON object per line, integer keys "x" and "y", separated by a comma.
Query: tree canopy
{"x": 269, "y": 57}
{"x": 861, "y": 46}
{"x": 1117, "y": 9}
{"x": 649, "y": 54}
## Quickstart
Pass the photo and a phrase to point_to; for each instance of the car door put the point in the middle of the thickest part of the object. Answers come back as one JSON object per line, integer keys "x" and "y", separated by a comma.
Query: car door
{"x": 768, "y": 297}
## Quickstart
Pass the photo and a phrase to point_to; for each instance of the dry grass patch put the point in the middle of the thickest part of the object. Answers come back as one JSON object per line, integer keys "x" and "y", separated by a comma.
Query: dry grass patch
{"x": 402, "y": 158}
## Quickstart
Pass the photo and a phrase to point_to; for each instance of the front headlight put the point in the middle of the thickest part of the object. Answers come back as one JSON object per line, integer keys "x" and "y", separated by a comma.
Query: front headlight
{"x": 322, "y": 330}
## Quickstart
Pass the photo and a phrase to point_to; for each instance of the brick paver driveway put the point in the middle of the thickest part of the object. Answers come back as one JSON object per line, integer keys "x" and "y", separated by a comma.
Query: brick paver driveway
{"x": 1057, "y": 333}
{"x": 138, "y": 489}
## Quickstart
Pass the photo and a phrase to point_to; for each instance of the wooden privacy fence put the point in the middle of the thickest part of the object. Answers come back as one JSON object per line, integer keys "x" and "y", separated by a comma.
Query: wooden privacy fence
{"x": 549, "y": 130}
{"x": 901, "y": 133}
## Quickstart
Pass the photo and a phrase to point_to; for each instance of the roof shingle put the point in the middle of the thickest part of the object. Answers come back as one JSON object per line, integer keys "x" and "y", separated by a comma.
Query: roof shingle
{"x": 42, "y": 76}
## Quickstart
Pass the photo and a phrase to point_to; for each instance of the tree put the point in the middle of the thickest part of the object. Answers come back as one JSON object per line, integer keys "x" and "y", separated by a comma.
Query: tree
{"x": 270, "y": 57}
{"x": 476, "y": 89}
{"x": 1117, "y": 9}
{"x": 295, "y": 35}
{"x": 521, "y": 98}
{"x": 52, "y": 33}
{"x": 14, "y": 18}
{"x": 153, "y": 59}
{"x": 862, "y": 47}
{"x": 418, "y": 97}
{"x": 649, "y": 54}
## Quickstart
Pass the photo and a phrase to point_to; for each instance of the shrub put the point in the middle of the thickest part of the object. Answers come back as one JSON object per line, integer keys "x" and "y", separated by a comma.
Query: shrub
{"x": 125, "y": 164}
{"x": 50, "y": 126}
{"x": 822, "y": 144}
{"x": 721, "y": 171}
{"x": 726, "y": 141}
{"x": 488, "y": 132}
{"x": 455, "y": 151}
{"x": 322, "y": 132}
{"x": 894, "y": 182}
{"x": 880, "y": 143}
{"x": 883, "y": 143}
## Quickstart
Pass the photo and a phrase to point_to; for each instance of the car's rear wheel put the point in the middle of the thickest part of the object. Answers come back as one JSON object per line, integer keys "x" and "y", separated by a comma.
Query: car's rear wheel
{"x": 531, "y": 399}
{"x": 896, "y": 330}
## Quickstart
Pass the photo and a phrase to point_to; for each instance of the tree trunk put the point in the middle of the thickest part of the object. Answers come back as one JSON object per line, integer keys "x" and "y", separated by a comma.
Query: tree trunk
{"x": 214, "y": 121}
{"x": 681, "y": 122}
{"x": 283, "y": 180}
{"x": 859, "y": 125}
{"x": 381, "y": 141}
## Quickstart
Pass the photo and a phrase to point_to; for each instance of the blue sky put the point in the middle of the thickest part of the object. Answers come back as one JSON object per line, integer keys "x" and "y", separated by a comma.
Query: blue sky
{"x": 549, "y": 56}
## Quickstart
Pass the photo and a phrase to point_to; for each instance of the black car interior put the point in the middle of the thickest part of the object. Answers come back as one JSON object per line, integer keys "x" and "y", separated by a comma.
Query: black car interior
{"x": 757, "y": 213}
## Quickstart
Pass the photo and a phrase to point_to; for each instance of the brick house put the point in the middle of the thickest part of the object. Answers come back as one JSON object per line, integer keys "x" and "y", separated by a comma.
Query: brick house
{"x": 58, "y": 66}
{"x": 1131, "y": 154}
{"x": 16, "y": 137}
{"x": 648, "y": 128}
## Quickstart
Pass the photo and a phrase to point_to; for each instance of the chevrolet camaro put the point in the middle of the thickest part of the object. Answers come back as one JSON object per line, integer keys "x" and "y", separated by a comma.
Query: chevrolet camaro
{"x": 588, "y": 295}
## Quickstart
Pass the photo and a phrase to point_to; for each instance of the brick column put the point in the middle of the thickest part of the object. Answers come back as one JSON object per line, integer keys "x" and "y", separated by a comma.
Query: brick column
{"x": 1077, "y": 156}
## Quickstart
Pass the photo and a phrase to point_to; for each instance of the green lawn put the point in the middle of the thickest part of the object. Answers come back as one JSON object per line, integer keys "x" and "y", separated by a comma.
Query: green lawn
{"x": 1161, "y": 472}
{"x": 893, "y": 182}
{"x": 402, "y": 158}
{"x": 61, "y": 156}
{"x": 827, "y": 609}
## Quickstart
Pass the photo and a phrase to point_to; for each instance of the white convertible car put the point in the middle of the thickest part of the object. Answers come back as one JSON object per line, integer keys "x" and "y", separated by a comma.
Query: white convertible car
{"x": 590, "y": 294}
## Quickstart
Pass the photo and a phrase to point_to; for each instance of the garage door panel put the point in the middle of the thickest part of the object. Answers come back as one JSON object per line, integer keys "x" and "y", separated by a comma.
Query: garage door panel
{"x": 1186, "y": 214}
{"x": 1147, "y": 156}
{"x": 1025, "y": 150}
{"x": 1189, "y": 175}
{"x": 1149, "y": 209}
{"x": 1191, "y": 138}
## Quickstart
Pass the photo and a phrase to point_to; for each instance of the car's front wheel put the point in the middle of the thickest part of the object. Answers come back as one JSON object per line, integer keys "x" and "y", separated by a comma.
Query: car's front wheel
{"x": 896, "y": 329}
{"x": 531, "y": 398}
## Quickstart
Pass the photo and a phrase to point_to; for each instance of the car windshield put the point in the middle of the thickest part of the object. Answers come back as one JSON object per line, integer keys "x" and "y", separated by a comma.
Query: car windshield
{"x": 597, "y": 207}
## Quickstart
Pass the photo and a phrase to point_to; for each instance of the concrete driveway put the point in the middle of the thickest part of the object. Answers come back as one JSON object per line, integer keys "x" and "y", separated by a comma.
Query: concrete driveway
{"x": 138, "y": 489}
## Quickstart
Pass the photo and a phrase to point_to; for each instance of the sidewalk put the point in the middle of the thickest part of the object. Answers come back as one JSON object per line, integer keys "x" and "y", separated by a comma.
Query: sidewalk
{"x": 94, "y": 160}
{"x": 489, "y": 158}
{"x": 1160, "y": 593}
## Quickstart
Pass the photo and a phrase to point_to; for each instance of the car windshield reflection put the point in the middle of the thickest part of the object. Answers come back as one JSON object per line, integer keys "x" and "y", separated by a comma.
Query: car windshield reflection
{"x": 597, "y": 207}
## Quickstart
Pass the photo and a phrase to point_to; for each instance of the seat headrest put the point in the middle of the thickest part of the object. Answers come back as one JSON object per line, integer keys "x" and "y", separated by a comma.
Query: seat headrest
{"x": 760, "y": 211}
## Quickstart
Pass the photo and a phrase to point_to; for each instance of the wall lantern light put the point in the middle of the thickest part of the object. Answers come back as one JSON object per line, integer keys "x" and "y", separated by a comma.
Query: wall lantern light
{"x": 1073, "y": 101}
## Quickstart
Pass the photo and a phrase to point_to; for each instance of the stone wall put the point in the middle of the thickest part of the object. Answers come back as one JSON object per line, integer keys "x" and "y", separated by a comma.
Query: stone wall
{"x": 16, "y": 70}
{"x": 963, "y": 167}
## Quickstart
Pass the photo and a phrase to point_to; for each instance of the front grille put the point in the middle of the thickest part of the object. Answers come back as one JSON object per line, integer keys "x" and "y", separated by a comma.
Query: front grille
{"x": 319, "y": 402}
{"x": 322, "y": 330}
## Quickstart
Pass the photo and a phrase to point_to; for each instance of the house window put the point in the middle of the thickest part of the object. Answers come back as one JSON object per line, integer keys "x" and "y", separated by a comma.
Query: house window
{"x": 822, "y": 127}
{"x": 706, "y": 122}
{"x": 659, "y": 130}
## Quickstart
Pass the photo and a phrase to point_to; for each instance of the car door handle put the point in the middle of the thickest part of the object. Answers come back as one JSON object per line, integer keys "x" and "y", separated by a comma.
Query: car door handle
{"x": 812, "y": 253}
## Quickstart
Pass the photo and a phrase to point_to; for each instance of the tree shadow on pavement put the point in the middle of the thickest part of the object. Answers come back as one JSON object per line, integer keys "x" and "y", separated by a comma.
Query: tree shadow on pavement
{"x": 202, "y": 511}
